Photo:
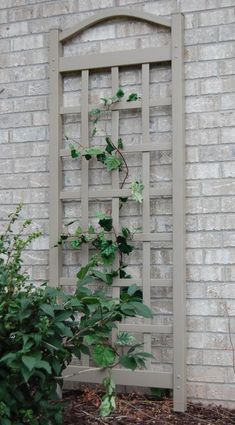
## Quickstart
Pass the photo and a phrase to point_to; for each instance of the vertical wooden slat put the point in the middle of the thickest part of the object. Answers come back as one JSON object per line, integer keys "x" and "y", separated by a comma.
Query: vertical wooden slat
{"x": 84, "y": 174}
{"x": 178, "y": 213}
{"x": 146, "y": 197}
{"x": 55, "y": 166}
{"x": 115, "y": 179}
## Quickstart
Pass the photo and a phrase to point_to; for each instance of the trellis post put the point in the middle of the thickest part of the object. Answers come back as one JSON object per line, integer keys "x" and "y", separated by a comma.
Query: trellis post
{"x": 178, "y": 163}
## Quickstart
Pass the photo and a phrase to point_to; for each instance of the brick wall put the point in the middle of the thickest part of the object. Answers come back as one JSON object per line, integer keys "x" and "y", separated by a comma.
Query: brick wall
{"x": 210, "y": 139}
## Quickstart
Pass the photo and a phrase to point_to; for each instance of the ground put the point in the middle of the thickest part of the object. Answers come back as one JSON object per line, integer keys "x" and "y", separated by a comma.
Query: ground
{"x": 82, "y": 408}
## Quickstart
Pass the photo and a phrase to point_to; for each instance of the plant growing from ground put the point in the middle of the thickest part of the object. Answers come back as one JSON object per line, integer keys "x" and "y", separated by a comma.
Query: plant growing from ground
{"x": 112, "y": 247}
{"x": 41, "y": 328}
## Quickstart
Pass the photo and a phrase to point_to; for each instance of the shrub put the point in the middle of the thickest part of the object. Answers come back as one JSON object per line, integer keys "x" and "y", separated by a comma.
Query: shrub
{"x": 42, "y": 328}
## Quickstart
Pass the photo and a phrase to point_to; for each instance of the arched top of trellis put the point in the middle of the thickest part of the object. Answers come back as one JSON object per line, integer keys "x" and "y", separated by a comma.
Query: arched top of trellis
{"x": 113, "y": 13}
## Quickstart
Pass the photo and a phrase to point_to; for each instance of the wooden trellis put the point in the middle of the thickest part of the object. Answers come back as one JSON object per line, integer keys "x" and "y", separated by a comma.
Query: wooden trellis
{"x": 60, "y": 65}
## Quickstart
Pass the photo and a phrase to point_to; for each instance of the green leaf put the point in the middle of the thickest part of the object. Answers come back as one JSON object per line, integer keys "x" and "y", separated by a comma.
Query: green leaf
{"x": 141, "y": 309}
{"x": 75, "y": 243}
{"x": 64, "y": 330}
{"x": 132, "y": 290}
{"x": 120, "y": 143}
{"x": 63, "y": 315}
{"x": 125, "y": 338}
{"x": 42, "y": 364}
{"x": 103, "y": 355}
{"x": 128, "y": 362}
{"x": 105, "y": 277}
{"x": 123, "y": 200}
{"x": 105, "y": 407}
{"x": 74, "y": 152}
{"x": 26, "y": 373}
{"x": 93, "y": 151}
{"x": 94, "y": 131}
{"x": 132, "y": 97}
{"x": 29, "y": 362}
{"x": 120, "y": 93}
{"x": 113, "y": 163}
{"x": 106, "y": 223}
{"x": 47, "y": 309}
{"x": 109, "y": 148}
{"x": 126, "y": 233}
{"x": 137, "y": 191}
{"x": 123, "y": 246}
{"x": 95, "y": 111}
{"x": 56, "y": 366}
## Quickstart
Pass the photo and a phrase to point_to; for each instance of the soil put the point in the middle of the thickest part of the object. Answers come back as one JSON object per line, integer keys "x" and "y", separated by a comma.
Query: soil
{"x": 82, "y": 407}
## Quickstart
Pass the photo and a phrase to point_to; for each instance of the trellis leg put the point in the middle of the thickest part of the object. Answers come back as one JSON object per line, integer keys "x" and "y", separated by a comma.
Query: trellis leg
{"x": 84, "y": 174}
{"x": 146, "y": 199}
{"x": 55, "y": 165}
{"x": 115, "y": 182}
{"x": 178, "y": 161}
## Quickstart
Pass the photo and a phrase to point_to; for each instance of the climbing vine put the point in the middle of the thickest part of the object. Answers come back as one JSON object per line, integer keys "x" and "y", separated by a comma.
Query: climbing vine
{"x": 110, "y": 243}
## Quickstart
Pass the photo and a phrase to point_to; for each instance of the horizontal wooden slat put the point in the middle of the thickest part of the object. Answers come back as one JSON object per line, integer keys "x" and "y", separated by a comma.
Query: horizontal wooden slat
{"x": 142, "y": 378}
{"x": 120, "y": 106}
{"x": 152, "y": 237}
{"x": 121, "y": 58}
{"x": 148, "y": 147}
{"x": 71, "y": 281}
{"x": 145, "y": 328}
{"x": 110, "y": 193}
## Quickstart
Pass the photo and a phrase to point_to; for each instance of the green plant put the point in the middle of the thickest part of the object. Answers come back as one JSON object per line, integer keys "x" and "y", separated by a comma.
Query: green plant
{"x": 109, "y": 243}
{"x": 42, "y": 328}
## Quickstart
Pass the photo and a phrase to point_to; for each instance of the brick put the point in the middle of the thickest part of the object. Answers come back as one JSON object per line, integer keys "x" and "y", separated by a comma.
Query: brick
{"x": 201, "y": 36}
{"x": 228, "y": 101}
{"x": 61, "y": 8}
{"x": 202, "y": 137}
{"x": 228, "y": 135}
{"x": 204, "y": 273}
{"x": 201, "y": 104}
{"x": 201, "y": 69}
{"x": 228, "y": 204}
{"x": 194, "y": 5}
{"x": 227, "y": 32}
{"x": 24, "y": 13}
{"x": 219, "y": 256}
{"x": 33, "y": 103}
{"x": 29, "y": 134}
{"x": 163, "y": 7}
{"x": 27, "y": 165}
{"x": 202, "y": 171}
{"x": 227, "y": 67}
{"x": 216, "y": 17}
{"x": 219, "y": 187}
{"x": 92, "y": 4}
{"x": 217, "y": 358}
{"x": 216, "y": 153}
{"x": 14, "y": 29}
{"x": 41, "y": 118}
{"x": 220, "y": 392}
{"x": 229, "y": 237}
{"x": 216, "y": 51}
{"x": 218, "y": 85}
{"x": 228, "y": 169}
{"x": 196, "y": 390}
{"x": 27, "y": 43}
{"x": 205, "y": 374}
{"x": 204, "y": 240}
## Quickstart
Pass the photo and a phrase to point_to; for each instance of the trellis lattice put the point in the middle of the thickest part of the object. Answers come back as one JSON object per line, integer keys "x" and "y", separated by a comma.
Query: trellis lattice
{"x": 59, "y": 66}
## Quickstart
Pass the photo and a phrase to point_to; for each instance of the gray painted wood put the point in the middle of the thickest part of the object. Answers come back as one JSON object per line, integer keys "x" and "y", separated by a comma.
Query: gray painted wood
{"x": 179, "y": 278}
{"x": 55, "y": 166}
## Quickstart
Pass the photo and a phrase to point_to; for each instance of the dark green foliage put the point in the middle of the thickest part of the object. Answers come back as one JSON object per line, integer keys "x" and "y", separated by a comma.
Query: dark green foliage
{"x": 39, "y": 331}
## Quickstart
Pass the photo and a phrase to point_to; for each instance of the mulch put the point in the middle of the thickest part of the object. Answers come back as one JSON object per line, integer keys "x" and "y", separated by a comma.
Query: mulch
{"x": 82, "y": 407}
